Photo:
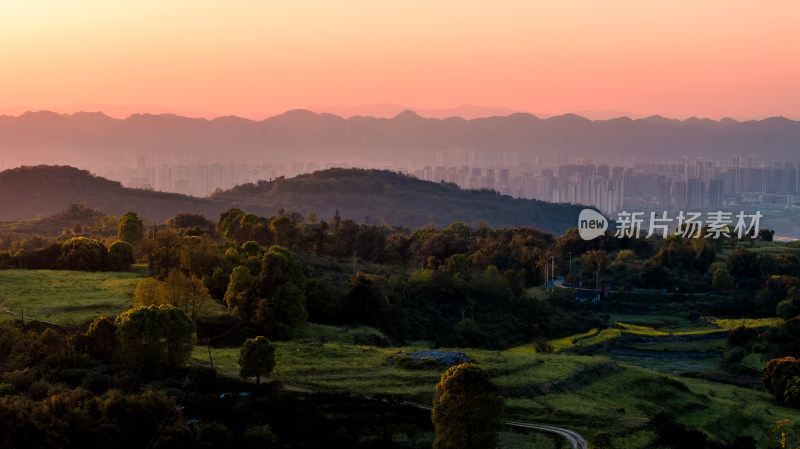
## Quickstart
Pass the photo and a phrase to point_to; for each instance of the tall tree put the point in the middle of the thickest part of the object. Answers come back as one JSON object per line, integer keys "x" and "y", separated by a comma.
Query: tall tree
{"x": 237, "y": 296}
{"x": 722, "y": 280}
{"x": 282, "y": 289}
{"x": 468, "y": 410}
{"x": 131, "y": 229}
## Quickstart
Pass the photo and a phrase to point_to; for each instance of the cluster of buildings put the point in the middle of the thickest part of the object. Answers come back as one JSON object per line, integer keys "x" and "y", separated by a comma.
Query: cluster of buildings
{"x": 684, "y": 184}
{"x": 697, "y": 183}
{"x": 197, "y": 178}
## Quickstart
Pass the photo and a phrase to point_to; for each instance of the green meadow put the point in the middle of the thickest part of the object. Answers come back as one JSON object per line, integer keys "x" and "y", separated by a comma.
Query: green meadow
{"x": 67, "y": 297}
{"x": 603, "y": 398}
{"x": 594, "y": 395}
{"x": 708, "y": 328}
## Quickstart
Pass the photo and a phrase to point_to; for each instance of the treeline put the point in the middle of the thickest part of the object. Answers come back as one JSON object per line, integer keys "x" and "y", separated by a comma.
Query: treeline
{"x": 77, "y": 253}
{"x": 123, "y": 383}
{"x": 453, "y": 287}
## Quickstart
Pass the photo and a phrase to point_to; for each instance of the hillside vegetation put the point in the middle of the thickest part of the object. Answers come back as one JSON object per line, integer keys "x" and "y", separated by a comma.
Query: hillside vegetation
{"x": 614, "y": 404}
{"x": 370, "y": 196}
{"x": 33, "y": 192}
{"x": 375, "y": 195}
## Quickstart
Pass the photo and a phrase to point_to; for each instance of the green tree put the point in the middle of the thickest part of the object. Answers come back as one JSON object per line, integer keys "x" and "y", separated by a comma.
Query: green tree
{"x": 780, "y": 374}
{"x": 237, "y": 296}
{"x": 594, "y": 261}
{"x": 155, "y": 338}
{"x": 765, "y": 235}
{"x": 280, "y": 267}
{"x": 130, "y": 229}
{"x": 99, "y": 341}
{"x": 722, "y": 280}
{"x": 282, "y": 291}
{"x": 281, "y": 313}
{"x": 83, "y": 254}
{"x": 786, "y": 309}
{"x": 626, "y": 256}
{"x": 5, "y": 256}
{"x": 457, "y": 265}
{"x": 120, "y": 256}
{"x": 468, "y": 411}
{"x": 256, "y": 358}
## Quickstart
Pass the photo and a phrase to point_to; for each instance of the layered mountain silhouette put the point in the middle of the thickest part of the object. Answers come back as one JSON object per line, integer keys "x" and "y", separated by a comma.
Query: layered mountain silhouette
{"x": 368, "y": 196}
{"x": 305, "y": 135}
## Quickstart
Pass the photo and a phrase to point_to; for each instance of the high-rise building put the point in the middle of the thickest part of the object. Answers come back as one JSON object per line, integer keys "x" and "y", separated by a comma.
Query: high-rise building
{"x": 715, "y": 189}
{"x": 695, "y": 194}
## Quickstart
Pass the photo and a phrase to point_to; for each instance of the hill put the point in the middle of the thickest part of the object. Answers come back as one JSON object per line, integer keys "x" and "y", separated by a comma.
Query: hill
{"x": 374, "y": 195}
{"x": 363, "y": 195}
{"x": 31, "y": 192}
{"x": 306, "y": 135}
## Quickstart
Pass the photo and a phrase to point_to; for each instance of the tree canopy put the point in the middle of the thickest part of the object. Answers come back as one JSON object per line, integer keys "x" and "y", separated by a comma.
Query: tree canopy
{"x": 131, "y": 229}
{"x": 468, "y": 410}
{"x": 256, "y": 358}
{"x": 155, "y": 338}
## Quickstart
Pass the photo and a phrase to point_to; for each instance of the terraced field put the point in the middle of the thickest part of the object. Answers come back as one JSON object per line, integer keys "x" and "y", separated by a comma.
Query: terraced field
{"x": 604, "y": 400}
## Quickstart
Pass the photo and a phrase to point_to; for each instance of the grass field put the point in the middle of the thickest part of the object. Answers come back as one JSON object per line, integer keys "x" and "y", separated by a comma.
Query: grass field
{"x": 67, "y": 297}
{"x": 590, "y": 394}
{"x": 708, "y": 328}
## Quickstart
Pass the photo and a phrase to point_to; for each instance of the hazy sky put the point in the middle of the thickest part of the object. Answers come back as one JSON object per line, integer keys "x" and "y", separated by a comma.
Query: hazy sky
{"x": 677, "y": 58}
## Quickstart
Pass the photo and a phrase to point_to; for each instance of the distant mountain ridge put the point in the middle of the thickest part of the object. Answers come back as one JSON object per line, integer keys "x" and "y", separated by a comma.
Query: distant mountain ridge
{"x": 305, "y": 135}
{"x": 368, "y": 196}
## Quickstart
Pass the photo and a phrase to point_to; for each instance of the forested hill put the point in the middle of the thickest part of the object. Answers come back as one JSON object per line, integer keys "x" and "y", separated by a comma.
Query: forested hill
{"x": 374, "y": 195}
{"x": 363, "y": 195}
{"x": 30, "y": 192}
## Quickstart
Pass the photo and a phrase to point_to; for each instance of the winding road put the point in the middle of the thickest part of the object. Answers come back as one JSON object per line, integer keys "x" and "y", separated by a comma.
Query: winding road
{"x": 575, "y": 439}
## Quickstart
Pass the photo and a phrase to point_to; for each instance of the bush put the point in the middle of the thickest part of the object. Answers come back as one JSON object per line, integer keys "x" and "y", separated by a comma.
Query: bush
{"x": 786, "y": 309}
{"x": 779, "y": 376}
{"x": 544, "y": 346}
{"x": 120, "y": 257}
{"x": 82, "y": 254}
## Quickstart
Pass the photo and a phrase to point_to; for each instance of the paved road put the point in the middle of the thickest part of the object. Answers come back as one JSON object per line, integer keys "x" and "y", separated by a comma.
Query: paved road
{"x": 575, "y": 439}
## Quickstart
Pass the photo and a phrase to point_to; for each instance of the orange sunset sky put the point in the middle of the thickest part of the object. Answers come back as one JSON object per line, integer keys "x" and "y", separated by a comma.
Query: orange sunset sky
{"x": 675, "y": 58}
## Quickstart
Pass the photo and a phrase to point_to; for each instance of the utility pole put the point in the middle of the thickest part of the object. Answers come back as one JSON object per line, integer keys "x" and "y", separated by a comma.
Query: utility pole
{"x": 570, "y": 262}
{"x": 553, "y": 273}
{"x": 546, "y": 268}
